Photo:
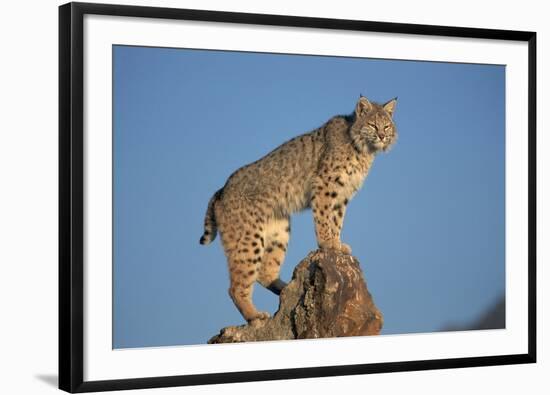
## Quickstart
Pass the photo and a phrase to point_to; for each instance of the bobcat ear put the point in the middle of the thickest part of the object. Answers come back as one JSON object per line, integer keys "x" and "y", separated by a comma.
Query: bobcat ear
{"x": 363, "y": 105}
{"x": 390, "y": 106}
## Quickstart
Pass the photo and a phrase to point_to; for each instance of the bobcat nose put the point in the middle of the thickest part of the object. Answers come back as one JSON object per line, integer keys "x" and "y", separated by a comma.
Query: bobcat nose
{"x": 381, "y": 136}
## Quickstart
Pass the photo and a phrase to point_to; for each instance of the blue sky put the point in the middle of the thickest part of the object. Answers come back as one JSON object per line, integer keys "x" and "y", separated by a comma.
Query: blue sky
{"x": 427, "y": 226}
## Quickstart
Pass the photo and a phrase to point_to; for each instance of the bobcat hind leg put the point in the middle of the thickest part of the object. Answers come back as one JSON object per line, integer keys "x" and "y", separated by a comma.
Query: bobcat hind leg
{"x": 276, "y": 242}
{"x": 242, "y": 239}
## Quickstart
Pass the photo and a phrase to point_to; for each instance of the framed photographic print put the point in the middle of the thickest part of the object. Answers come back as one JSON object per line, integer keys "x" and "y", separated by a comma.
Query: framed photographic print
{"x": 250, "y": 197}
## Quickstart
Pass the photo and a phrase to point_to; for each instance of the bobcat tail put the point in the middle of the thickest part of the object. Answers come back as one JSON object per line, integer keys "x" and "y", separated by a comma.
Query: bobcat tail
{"x": 210, "y": 226}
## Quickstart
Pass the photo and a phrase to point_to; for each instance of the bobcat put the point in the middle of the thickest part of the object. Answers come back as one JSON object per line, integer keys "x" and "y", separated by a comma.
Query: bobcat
{"x": 320, "y": 170}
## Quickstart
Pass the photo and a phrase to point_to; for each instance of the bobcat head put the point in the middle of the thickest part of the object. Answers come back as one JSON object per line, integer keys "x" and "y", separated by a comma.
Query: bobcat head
{"x": 373, "y": 129}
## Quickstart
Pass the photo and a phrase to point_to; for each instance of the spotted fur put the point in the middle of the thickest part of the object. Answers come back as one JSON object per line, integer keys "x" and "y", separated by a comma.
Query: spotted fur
{"x": 321, "y": 170}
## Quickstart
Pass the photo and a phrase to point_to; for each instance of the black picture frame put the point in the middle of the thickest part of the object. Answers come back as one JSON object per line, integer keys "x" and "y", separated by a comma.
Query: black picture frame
{"x": 71, "y": 195}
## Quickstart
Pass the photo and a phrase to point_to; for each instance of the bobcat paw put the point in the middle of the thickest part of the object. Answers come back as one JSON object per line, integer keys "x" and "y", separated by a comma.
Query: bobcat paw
{"x": 345, "y": 248}
{"x": 338, "y": 246}
{"x": 259, "y": 319}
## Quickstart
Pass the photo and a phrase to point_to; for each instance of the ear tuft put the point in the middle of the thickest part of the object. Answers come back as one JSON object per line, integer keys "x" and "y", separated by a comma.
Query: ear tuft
{"x": 390, "y": 106}
{"x": 363, "y": 105}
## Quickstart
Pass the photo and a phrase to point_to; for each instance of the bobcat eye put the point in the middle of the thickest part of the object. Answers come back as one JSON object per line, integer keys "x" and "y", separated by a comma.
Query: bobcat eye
{"x": 372, "y": 125}
{"x": 387, "y": 127}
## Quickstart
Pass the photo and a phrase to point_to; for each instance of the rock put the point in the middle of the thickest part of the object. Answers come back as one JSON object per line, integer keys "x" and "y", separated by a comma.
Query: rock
{"x": 492, "y": 318}
{"x": 327, "y": 297}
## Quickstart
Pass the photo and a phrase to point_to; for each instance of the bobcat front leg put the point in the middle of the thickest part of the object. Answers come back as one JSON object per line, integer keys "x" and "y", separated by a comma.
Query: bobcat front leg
{"x": 328, "y": 204}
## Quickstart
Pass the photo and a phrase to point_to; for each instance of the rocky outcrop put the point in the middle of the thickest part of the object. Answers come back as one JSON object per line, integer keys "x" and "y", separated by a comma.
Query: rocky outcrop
{"x": 327, "y": 297}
